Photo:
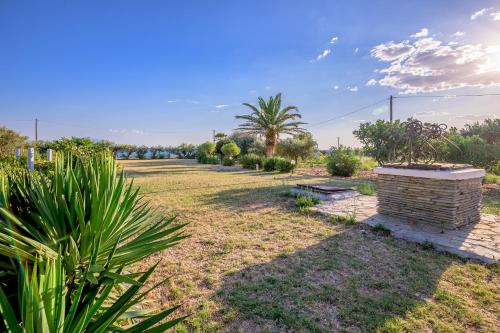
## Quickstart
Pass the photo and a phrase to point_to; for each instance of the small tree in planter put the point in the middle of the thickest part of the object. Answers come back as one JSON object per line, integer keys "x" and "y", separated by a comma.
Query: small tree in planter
{"x": 230, "y": 150}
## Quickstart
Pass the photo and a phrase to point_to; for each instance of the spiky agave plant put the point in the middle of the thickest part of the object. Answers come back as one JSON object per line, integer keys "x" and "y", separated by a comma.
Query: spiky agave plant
{"x": 66, "y": 241}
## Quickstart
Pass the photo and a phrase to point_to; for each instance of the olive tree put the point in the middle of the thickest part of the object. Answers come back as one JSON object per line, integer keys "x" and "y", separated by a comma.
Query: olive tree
{"x": 300, "y": 146}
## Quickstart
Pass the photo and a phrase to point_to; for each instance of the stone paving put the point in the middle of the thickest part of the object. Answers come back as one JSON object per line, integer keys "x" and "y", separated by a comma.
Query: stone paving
{"x": 480, "y": 241}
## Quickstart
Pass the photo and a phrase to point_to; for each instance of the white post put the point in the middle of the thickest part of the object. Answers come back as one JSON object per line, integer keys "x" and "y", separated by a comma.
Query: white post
{"x": 18, "y": 153}
{"x": 257, "y": 166}
{"x": 31, "y": 158}
{"x": 49, "y": 155}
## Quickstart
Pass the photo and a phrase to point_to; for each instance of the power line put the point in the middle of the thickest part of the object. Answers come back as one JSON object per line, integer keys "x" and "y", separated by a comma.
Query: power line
{"x": 349, "y": 113}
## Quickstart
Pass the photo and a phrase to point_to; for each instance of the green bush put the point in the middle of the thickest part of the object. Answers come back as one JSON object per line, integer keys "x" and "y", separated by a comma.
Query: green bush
{"x": 303, "y": 202}
{"x": 270, "y": 163}
{"x": 208, "y": 159}
{"x": 495, "y": 169}
{"x": 228, "y": 161}
{"x": 490, "y": 178}
{"x": 343, "y": 164}
{"x": 70, "y": 240}
{"x": 230, "y": 150}
{"x": 346, "y": 218}
{"x": 206, "y": 148}
{"x": 284, "y": 166}
{"x": 249, "y": 161}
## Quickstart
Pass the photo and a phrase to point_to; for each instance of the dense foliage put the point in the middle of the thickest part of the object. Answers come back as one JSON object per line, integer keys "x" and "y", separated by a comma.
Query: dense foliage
{"x": 489, "y": 130}
{"x": 301, "y": 146}
{"x": 343, "y": 163}
{"x": 230, "y": 150}
{"x": 278, "y": 164}
{"x": 270, "y": 121}
{"x": 68, "y": 241}
{"x": 477, "y": 144}
{"x": 249, "y": 161}
{"x": 249, "y": 143}
{"x": 9, "y": 141}
{"x": 383, "y": 140}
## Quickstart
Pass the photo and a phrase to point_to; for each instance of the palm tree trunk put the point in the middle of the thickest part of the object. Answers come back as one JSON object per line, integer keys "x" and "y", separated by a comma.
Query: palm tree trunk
{"x": 270, "y": 145}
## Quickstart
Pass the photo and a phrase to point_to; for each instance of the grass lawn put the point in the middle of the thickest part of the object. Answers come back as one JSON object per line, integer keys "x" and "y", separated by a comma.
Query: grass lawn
{"x": 255, "y": 264}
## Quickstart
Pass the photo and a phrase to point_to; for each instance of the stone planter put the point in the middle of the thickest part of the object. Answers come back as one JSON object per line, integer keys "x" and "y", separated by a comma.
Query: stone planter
{"x": 447, "y": 197}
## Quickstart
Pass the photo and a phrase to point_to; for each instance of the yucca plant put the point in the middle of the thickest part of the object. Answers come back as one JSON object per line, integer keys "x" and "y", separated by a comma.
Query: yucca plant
{"x": 67, "y": 241}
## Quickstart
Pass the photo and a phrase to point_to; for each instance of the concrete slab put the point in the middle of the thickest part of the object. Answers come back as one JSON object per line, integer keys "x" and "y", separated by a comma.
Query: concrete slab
{"x": 479, "y": 241}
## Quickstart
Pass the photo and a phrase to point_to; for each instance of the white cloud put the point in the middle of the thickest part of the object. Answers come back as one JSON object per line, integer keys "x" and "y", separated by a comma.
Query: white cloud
{"x": 172, "y": 101}
{"x": 392, "y": 51}
{"x": 336, "y": 87}
{"x": 126, "y": 131}
{"x": 458, "y": 34}
{"x": 475, "y": 117}
{"x": 428, "y": 65}
{"x": 430, "y": 114}
{"x": 359, "y": 121}
{"x": 371, "y": 82}
{"x": 424, "y": 32}
{"x": 356, "y": 50}
{"x": 353, "y": 88}
{"x": 334, "y": 40}
{"x": 221, "y": 106}
{"x": 115, "y": 130}
{"x": 323, "y": 54}
{"x": 479, "y": 13}
{"x": 495, "y": 16}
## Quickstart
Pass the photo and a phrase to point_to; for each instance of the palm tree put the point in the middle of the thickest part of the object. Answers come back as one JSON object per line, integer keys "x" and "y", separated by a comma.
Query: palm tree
{"x": 271, "y": 121}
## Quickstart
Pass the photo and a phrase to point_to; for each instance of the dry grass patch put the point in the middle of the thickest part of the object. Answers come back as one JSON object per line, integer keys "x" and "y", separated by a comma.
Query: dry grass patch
{"x": 255, "y": 264}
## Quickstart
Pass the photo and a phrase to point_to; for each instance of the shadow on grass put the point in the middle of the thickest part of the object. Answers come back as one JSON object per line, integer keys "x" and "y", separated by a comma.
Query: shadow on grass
{"x": 250, "y": 198}
{"x": 353, "y": 282}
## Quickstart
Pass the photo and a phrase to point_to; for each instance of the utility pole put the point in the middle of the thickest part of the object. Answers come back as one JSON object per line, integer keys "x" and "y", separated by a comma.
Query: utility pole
{"x": 338, "y": 142}
{"x": 390, "y": 108}
{"x": 36, "y": 131}
{"x": 213, "y": 135}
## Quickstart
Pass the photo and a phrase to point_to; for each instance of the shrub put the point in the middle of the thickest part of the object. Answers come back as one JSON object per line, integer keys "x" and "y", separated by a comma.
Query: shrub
{"x": 303, "y": 202}
{"x": 208, "y": 159}
{"x": 490, "y": 178}
{"x": 220, "y": 143}
{"x": 343, "y": 164}
{"x": 383, "y": 140}
{"x": 495, "y": 169}
{"x": 367, "y": 163}
{"x": 346, "y": 218}
{"x": 284, "y": 166}
{"x": 71, "y": 236}
{"x": 206, "y": 148}
{"x": 249, "y": 161}
{"x": 228, "y": 162}
{"x": 230, "y": 150}
{"x": 249, "y": 143}
{"x": 270, "y": 163}
{"x": 9, "y": 141}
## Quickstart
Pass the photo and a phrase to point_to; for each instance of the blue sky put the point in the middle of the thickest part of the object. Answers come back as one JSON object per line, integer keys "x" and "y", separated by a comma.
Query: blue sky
{"x": 165, "y": 72}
